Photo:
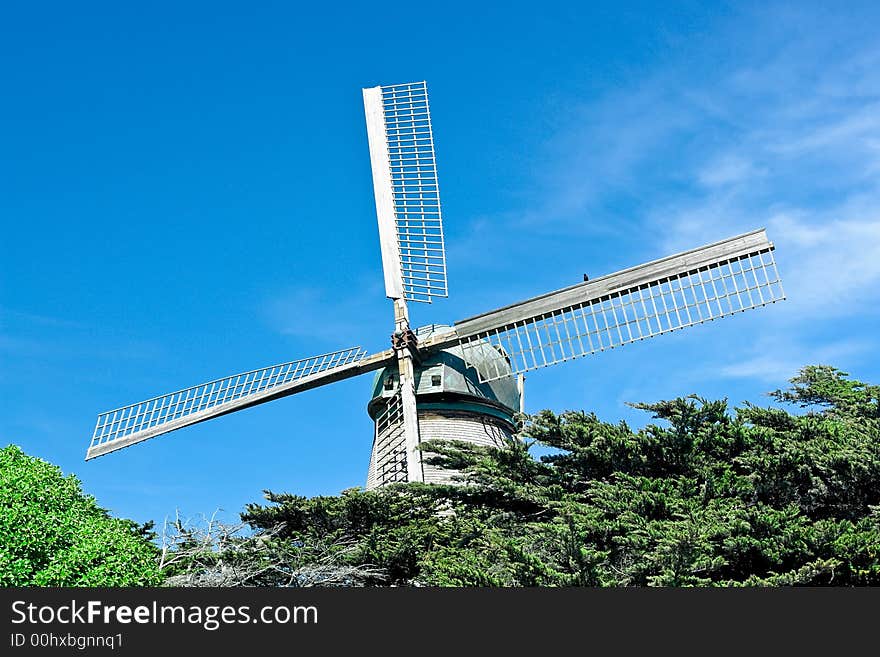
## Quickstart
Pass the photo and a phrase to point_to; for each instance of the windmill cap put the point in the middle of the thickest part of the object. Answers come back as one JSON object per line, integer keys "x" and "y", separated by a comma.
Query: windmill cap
{"x": 444, "y": 373}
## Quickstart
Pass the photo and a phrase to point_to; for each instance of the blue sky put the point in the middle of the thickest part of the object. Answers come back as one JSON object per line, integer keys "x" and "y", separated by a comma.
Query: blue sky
{"x": 185, "y": 193}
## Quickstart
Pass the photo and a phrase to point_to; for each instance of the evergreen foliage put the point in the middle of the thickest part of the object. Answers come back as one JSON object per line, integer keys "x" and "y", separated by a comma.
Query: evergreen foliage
{"x": 706, "y": 496}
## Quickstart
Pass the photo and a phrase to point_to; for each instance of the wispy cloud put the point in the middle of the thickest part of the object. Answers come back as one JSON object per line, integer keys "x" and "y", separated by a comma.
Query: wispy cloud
{"x": 777, "y": 359}
{"x": 27, "y": 335}
{"x": 812, "y": 188}
{"x": 785, "y": 135}
{"x": 727, "y": 169}
{"x": 7, "y": 314}
{"x": 312, "y": 313}
{"x": 833, "y": 266}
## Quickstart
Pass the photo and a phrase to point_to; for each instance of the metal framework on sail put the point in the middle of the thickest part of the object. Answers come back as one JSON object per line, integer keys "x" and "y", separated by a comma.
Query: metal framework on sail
{"x": 388, "y": 463}
{"x": 673, "y": 293}
{"x": 136, "y": 422}
{"x": 406, "y": 190}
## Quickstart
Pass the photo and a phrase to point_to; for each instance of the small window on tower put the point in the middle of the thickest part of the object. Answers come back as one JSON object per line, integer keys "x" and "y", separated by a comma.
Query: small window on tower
{"x": 389, "y": 382}
{"x": 435, "y": 379}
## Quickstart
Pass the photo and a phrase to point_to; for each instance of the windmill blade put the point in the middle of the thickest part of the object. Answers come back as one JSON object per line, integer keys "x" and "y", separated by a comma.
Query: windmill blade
{"x": 135, "y": 423}
{"x": 406, "y": 191}
{"x": 388, "y": 458}
{"x": 682, "y": 290}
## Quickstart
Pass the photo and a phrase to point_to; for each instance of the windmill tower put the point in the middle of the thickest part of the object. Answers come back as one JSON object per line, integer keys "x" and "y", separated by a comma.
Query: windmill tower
{"x": 451, "y": 402}
{"x": 462, "y": 381}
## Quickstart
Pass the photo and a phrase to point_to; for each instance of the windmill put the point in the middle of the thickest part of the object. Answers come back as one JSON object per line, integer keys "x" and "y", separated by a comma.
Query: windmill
{"x": 462, "y": 381}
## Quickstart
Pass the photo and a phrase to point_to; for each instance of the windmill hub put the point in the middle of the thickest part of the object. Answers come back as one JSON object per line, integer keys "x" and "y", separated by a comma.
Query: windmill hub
{"x": 406, "y": 340}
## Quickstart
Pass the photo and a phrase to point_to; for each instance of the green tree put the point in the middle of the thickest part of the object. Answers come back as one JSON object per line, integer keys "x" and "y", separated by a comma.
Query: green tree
{"x": 705, "y": 496}
{"x": 52, "y": 534}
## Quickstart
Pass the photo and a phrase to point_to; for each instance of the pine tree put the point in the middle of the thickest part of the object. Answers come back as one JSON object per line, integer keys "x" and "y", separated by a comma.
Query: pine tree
{"x": 704, "y": 496}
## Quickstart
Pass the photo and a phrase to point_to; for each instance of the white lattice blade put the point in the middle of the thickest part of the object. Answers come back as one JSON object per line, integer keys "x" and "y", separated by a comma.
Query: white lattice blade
{"x": 690, "y": 288}
{"x": 383, "y": 192}
{"x": 135, "y": 423}
{"x": 406, "y": 191}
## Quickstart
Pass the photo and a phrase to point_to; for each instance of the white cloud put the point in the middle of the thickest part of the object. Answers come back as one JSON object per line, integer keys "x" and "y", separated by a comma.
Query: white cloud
{"x": 777, "y": 359}
{"x": 829, "y": 260}
{"x": 834, "y": 267}
{"x": 783, "y": 135}
{"x": 851, "y": 129}
{"x": 360, "y": 317}
{"x": 803, "y": 164}
{"x": 726, "y": 170}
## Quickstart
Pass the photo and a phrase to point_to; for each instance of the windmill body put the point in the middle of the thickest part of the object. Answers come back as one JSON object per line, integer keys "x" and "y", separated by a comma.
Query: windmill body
{"x": 451, "y": 402}
{"x": 462, "y": 381}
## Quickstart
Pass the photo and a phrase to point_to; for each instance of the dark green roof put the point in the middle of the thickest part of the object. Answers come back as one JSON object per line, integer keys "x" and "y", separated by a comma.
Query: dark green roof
{"x": 456, "y": 378}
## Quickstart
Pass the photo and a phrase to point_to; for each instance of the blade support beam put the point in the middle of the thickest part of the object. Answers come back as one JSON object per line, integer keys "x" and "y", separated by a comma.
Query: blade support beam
{"x": 414, "y": 471}
{"x": 382, "y": 192}
{"x": 135, "y": 423}
{"x": 407, "y": 390}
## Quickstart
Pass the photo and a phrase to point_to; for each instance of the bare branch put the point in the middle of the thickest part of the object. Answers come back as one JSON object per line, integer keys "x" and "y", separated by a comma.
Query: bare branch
{"x": 207, "y": 552}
